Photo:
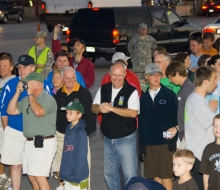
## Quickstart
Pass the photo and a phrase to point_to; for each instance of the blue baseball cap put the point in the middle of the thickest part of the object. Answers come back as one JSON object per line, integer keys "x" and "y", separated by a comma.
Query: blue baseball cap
{"x": 25, "y": 60}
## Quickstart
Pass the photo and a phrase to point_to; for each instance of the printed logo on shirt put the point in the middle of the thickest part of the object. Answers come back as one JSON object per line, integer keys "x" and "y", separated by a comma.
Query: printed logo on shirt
{"x": 121, "y": 100}
{"x": 217, "y": 162}
{"x": 68, "y": 148}
{"x": 162, "y": 102}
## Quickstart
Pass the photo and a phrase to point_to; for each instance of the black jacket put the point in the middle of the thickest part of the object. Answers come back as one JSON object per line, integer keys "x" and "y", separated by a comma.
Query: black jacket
{"x": 156, "y": 116}
{"x": 85, "y": 98}
{"x": 114, "y": 126}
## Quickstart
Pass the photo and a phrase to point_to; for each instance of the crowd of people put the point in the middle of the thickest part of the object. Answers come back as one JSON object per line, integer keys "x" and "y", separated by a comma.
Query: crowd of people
{"x": 164, "y": 112}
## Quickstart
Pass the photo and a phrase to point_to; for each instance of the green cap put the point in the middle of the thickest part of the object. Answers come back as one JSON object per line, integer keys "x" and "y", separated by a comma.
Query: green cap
{"x": 75, "y": 105}
{"x": 33, "y": 76}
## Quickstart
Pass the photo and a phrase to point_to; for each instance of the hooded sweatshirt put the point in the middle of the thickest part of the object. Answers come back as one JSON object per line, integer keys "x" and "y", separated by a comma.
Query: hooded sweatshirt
{"x": 74, "y": 165}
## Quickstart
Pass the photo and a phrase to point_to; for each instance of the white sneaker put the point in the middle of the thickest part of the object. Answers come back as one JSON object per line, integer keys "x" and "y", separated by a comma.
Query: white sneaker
{"x": 60, "y": 188}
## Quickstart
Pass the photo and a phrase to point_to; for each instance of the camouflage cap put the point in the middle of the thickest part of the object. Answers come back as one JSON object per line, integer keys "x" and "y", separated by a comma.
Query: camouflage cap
{"x": 143, "y": 26}
{"x": 40, "y": 34}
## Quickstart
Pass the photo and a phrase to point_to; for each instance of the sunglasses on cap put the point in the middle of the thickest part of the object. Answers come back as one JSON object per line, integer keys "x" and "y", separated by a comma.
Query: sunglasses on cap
{"x": 5, "y": 54}
{"x": 197, "y": 39}
{"x": 74, "y": 40}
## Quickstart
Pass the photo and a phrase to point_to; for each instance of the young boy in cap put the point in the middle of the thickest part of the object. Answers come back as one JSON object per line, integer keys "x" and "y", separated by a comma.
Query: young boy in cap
{"x": 183, "y": 161}
{"x": 210, "y": 164}
{"x": 74, "y": 166}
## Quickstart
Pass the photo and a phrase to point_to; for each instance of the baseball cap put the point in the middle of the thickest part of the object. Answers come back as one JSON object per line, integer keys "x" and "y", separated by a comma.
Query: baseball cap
{"x": 140, "y": 183}
{"x": 74, "y": 40}
{"x": 119, "y": 55}
{"x": 40, "y": 34}
{"x": 143, "y": 26}
{"x": 33, "y": 76}
{"x": 152, "y": 68}
{"x": 138, "y": 186}
{"x": 75, "y": 105}
{"x": 25, "y": 60}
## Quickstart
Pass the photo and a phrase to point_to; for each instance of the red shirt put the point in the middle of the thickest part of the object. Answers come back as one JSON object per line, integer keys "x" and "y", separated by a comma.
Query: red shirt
{"x": 85, "y": 66}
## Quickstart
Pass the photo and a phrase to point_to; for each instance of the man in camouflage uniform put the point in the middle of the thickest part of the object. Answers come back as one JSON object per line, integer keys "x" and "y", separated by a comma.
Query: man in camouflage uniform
{"x": 141, "y": 48}
{"x": 43, "y": 56}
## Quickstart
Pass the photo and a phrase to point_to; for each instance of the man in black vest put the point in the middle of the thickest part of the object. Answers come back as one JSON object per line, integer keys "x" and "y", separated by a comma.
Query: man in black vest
{"x": 118, "y": 103}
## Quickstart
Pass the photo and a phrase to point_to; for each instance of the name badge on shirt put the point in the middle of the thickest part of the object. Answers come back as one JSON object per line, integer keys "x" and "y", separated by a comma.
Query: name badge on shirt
{"x": 121, "y": 100}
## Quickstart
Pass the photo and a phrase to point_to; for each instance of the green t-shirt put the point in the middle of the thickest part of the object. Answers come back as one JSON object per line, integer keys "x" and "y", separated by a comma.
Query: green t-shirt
{"x": 45, "y": 125}
{"x": 165, "y": 81}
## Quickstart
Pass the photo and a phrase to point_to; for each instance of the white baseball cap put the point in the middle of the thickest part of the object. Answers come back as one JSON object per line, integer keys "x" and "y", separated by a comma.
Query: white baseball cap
{"x": 119, "y": 55}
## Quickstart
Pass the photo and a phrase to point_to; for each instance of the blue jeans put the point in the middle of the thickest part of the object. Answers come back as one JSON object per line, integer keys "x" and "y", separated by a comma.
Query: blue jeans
{"x": 119, "y": 152}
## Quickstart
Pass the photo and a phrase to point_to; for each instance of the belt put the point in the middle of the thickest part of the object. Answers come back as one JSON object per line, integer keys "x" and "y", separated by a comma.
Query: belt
{"x": 47, "y": 137}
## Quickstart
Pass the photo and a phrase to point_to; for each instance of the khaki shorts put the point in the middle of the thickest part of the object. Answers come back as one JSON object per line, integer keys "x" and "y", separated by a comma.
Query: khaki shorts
{"x": 158, "y": 162}
{"x": 59, "y": 150}
{"x": 38, "y": 161}
{"x": 13, "y": 143}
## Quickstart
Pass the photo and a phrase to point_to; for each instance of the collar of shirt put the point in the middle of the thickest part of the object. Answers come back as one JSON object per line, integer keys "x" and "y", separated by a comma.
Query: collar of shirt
{"x": 74, "y": 89}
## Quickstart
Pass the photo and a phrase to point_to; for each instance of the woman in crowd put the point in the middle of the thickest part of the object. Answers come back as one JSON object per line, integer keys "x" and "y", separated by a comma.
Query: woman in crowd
{"x": 57, "y": 81}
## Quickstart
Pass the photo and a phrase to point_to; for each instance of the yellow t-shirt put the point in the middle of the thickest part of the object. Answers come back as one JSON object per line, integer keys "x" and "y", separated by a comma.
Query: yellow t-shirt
{"x": 212, "y": 52}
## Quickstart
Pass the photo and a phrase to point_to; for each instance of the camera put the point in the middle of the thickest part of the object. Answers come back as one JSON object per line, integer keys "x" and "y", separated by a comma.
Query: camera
{"x": 166, "y": 134}
{"x": 25, "y": 86}
{"x": 62, "y": 27}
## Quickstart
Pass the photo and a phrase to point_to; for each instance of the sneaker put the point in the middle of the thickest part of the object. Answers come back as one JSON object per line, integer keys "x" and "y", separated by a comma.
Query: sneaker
{"x": 3, "y": 181}
{"x": 8, "y": 185}
{"x": 60, "y": 188}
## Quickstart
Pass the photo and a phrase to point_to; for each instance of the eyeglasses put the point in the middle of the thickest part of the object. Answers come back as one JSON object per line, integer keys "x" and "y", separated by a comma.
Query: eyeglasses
{"x": 27, "y": 110}
{"x": 197, "y": 39}
{"x": 119, "y": 76}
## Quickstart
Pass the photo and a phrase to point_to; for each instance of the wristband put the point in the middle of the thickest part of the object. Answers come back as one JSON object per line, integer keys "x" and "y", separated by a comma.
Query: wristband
{"x": 31, "y": 95}
{"x": 176, "y": 129}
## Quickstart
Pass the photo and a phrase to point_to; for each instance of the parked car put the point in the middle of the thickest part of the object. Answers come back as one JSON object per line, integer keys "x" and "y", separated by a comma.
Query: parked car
{"x": 213, "y": 27}
{"x": 210, "y": 8}
{"x": 11, "y": 10}
{"x": 108, "y": 30}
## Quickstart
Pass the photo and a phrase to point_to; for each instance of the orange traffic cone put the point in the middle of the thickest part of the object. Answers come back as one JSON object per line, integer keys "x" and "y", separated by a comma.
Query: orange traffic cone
{"x": 38, "y": 27}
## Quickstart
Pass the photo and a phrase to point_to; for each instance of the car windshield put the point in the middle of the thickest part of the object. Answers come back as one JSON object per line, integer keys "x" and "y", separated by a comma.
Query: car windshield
{"x": 217, "y": 21}
{"x": 3, "y": 4}
{"x": 93, "y": 18}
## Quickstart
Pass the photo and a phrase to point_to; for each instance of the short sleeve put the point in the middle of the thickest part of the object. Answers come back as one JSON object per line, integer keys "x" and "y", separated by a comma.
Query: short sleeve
{"x": 97, "y": 99}
{"x": 133, "y": 101}
{"x": 48, "y": 104}
{"x": 20, "y": 106}
{"x": 205, "y": 164}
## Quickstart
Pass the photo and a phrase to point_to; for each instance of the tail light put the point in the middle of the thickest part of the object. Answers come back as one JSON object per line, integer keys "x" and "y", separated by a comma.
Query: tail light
{"x": 212, "y": 3}
{"x": 204, "y": 7}
{"x": 218, "y": 7}
{"x": 95, "y": 9}
{"x": 90, "y": 4}
{"x": 68, "y": 35}
{"x": 68, "y": 32}
{"x": 115, "y": 35}
{"x": 43, "y": 6}
{"x": 209, "y": 30}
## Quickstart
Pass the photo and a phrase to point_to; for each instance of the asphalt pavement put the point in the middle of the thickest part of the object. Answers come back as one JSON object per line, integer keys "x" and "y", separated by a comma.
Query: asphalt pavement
{"x": 18, "y": 38}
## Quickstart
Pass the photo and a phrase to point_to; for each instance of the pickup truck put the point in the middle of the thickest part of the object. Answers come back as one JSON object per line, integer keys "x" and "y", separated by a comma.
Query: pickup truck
{"x": 108, "y": 30}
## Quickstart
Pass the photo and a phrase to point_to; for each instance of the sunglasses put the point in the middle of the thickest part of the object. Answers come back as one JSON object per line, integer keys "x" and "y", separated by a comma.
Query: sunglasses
{"x": 5, "y": 54}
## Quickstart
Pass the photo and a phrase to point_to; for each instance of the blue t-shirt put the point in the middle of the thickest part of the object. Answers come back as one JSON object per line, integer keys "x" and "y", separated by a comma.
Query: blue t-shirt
{"x": 79, "y": 79}
{"x": 194, "y": 60}
{"x": 15, "y": 121}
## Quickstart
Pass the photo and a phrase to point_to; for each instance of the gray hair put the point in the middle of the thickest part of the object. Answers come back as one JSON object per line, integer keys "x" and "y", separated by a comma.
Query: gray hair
{"x": 166, "y": 56}
{"x": 67, "y": 68}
